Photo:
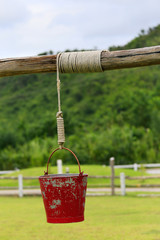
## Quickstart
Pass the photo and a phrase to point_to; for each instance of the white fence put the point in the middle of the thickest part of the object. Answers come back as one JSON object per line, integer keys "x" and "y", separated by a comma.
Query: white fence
{"x": 8, "y": 171}
{"x": 135, "y": 166}
{"x": 96, "y": 191}
{"x": 122, "y": 176}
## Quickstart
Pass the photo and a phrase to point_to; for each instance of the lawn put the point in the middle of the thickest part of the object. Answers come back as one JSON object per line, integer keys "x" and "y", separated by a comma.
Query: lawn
{"x": 106, "y": 218}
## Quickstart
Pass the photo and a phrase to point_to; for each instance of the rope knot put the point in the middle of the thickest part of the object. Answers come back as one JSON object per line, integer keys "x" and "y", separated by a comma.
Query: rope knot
{"x": 59, "y": 114}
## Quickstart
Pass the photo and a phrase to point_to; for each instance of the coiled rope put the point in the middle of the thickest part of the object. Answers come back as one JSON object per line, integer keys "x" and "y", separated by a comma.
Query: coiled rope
{"x": 79, "y": 62}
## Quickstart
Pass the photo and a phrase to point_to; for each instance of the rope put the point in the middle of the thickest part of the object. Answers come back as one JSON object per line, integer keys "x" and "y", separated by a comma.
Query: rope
{"x": 58, "y": 83}
{"x": 59, "y": 116}
{"x": 79, "y": 62}
{"x": 88, "y": 61}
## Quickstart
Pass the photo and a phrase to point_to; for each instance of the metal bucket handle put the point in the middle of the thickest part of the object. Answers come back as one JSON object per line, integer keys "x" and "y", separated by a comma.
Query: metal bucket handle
{"x": 80, "y": 173}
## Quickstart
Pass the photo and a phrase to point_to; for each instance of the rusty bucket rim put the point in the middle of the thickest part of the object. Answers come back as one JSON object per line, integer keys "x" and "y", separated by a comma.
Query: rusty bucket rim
{"x": 65, "y": 175}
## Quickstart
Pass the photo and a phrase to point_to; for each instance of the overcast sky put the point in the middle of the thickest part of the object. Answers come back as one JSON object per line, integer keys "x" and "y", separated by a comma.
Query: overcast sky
{"x": 29, "y": 27}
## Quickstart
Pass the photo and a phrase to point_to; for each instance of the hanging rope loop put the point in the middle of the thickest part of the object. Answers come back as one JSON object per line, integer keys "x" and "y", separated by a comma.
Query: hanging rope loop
{"x": 89, "y": 61}
{"x": 59, "y": 115}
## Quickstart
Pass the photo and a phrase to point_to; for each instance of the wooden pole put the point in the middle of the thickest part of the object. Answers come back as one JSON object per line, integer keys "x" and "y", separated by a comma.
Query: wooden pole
{"x": 112, "y": 175}
{"x": 131, "y": 58}
{"x": 109, "y": 61}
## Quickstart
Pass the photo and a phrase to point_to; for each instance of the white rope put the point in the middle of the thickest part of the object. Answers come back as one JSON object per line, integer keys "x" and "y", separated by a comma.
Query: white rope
{"x": 60, "y": 121}
{"x": 80, "y": 62}
{"x": 58, "y": 83}
{"x": 60, "y": 131}
{"x": 88, "y": 61}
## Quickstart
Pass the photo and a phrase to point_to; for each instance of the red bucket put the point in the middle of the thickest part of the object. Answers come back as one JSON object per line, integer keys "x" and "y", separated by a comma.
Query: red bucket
{"x": 64, "y": 195}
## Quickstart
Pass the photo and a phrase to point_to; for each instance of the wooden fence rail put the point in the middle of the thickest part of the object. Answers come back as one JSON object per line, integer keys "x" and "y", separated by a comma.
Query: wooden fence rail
{"x": 109, "y": 61}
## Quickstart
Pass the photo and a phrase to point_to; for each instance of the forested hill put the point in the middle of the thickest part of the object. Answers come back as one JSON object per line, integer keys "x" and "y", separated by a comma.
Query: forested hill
{"x": 115, "y": 113}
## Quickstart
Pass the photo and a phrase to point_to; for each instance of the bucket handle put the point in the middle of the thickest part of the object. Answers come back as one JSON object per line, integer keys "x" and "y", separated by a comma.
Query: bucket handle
{"x": 80, "y": 173}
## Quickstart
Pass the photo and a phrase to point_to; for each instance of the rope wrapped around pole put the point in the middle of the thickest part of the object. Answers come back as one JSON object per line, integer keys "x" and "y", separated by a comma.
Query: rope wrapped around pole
{"x": 80, "y": 62}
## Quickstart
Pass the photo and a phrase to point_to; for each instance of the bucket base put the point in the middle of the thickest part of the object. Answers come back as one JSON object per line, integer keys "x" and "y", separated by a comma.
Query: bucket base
{"x": 65, "y": 220}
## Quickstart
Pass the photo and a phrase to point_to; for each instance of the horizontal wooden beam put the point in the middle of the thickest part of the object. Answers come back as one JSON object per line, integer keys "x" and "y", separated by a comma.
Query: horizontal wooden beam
{"x": 109, "y": 60}
{"x": 130, "y": 58}
{"x": 27, "y": 65}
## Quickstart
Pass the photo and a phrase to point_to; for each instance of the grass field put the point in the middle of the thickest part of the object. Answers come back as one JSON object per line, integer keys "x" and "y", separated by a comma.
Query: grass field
{"x": 90, "y": 169}
{"x": 106, "y": 218}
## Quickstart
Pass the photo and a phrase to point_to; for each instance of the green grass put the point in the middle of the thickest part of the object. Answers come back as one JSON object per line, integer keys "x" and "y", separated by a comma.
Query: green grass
{"x": 106, "y": 218}
{"x": 90, "y": 169}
